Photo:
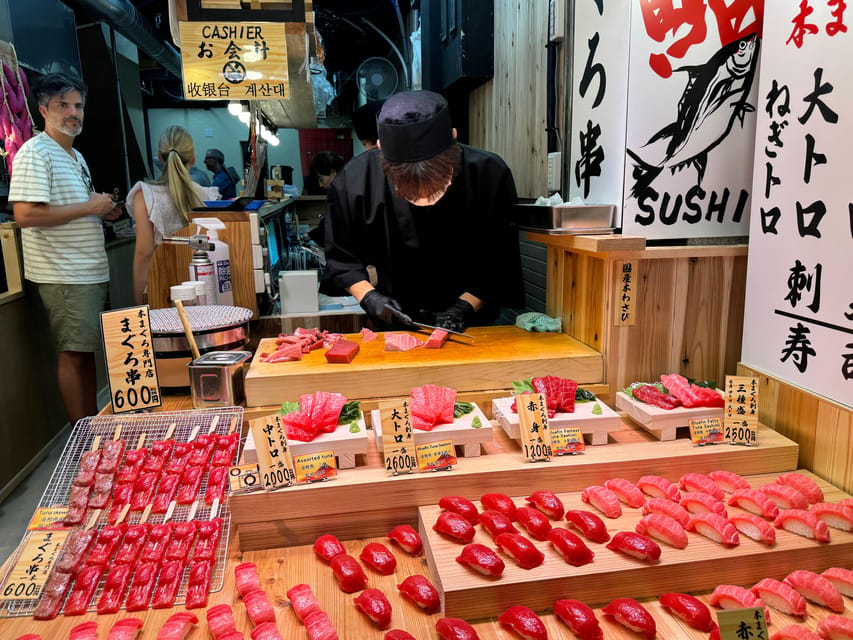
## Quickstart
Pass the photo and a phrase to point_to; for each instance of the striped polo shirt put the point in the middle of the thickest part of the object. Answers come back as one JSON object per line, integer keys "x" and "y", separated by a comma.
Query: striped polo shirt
{"x": 71, "y": 253}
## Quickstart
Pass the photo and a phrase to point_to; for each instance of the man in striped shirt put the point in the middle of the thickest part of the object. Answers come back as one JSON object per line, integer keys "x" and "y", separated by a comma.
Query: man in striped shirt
{"x": 60, "y": 215}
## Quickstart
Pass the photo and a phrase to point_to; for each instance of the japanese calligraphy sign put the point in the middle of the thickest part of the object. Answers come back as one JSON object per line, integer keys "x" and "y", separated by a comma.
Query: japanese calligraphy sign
{"x": 705, "y": 430}
{"x": 436, "y": 456}
{"x": 741, "y": 417}
{"x": 533, "y": 423}
{"x": 599, "y": 100}
{"x": 131, "y": 366}
{"x": 33, "y": 566}
{"x": 692, "y": 96}
{"x": 798, "y": 322}
{"x": 624, "y": 313}
{"x": 737, "y": 624}
{"x": 315, "y": 467}
{"x": 274, "y": 461}
{"x": 566, "y": 440}
{"x": 398, "y": 443}
{"x": 234, "y": 61}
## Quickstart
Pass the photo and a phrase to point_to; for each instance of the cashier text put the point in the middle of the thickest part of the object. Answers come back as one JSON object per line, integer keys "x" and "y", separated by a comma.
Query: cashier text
{"x": 232, "y": 32}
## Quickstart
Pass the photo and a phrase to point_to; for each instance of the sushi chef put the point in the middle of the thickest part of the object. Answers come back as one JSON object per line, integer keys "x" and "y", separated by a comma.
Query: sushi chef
{"x": 430, "y": 216}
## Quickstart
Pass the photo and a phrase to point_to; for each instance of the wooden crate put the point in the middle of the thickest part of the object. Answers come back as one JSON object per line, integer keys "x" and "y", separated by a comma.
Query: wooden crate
{"x": 700, "y": 567}
{"x": 596, "y": 427}
{"x": 662, "y": 423}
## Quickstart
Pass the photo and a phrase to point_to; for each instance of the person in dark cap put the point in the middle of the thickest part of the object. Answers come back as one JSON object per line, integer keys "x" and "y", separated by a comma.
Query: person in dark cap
{"x": 364, "y": 123}
{"x": 431, "y": 216}
{"x": 214, "y": 160}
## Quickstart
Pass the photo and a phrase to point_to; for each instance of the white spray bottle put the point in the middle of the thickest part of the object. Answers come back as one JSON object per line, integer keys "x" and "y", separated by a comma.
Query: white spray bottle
{"x": 221, "y": 260}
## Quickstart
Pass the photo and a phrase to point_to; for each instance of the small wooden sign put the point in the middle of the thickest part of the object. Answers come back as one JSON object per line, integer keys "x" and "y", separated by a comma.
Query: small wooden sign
{"x": 398, "y": 443}
{"x": 737, "y": 624}
{"x": 315, "y": 467}
{"x": 131, "y": 366}
{"x": 48, "y": 518}
{"x": 234, "y": 61}
{"x": 245, "y": 478}
{"x": 274, "y": 462}
{"x": 533, "y": 423}
{"x": 436, "y": 456}
{"x": 624, "y": 306}
{"x": 706, "y": 431}
{"x": 33, "y": 566}
{"x": 741, "y": 413}
{"x": 567, "y": 440}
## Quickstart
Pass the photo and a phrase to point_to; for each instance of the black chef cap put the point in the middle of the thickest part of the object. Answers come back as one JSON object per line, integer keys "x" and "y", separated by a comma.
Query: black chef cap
{"x": 414, "y": 126}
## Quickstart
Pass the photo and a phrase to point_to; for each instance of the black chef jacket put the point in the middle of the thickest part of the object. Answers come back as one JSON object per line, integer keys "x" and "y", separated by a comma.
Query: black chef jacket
{"x": 426, "y": 257}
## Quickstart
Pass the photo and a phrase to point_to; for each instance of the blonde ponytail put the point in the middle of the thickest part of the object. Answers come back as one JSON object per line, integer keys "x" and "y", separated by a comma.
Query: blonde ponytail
{"x": 176, "y": 150}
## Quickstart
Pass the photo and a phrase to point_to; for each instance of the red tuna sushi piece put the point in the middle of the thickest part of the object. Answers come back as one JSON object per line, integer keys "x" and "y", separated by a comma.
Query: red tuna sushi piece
{"x": 835, "y": 628}
{"x": 374, "y": 604}
{"x": 246, "y": 577}
{"x": 408, "y": 539}
{"x": 559, "y": 392}
{"x": 589, "y": 524}
{"x": 499, "y": 502}
{"x": 431, "y": 405}
{"x": 220, "y": 621}
{"x": 481, "y": 559}
{"x": 698, "y": 502}
{"x": 454, "y": 526}
{"x": 328, "y": 546}
{"x": 268, "y": 631}
{"x": 177, "y": 626}
{"x": 348, "y": 573}
{"x": 453, "y": 629}
{"x": 84, "y": 631}
{"x": 805, "y": 485}
{"x": 125, "y": 629}
{"x": 803, "y": 523}
{"x": 258, "y": 607}
{"x": 463, "y": 506}
{"x": 534, "y": 521}
{"x": 754, "y": 527}
{"x": 667, "y": 508}
{"x": 841, "y": 578}
{"x": 754, "y": 501}
{"x": 692, "y": 610}
{"x": 573, "y": 549}
{"x": 732, "y": 596}
{"x": 579, "y": 618}
{"x": 317, "y": 625}
{"x": 303, "y": 601}
{"x": 436, "y": 339}
{"x": 834, "y": 515}
{"x": 548, "y": 503}
{"x": 520, "y": 549}
{"x": 420, "y": 591}
{"x": 398, "y": 341}
{"x": 626, "y": 491}
{"x": 714, "y": 527}
{"x": 663, "y": 528}
{"x": 814, "y": 587}
{"x": 659, "y": 487}
{"x": 524, "y": 622}
{"x": 702, "y": 484}
{"x": 496, "y": 523}
{"x": 635, "y": 545}
{"x": 781, "y": 596}
{"x": 379, "y": 557}
{"x": 785, "y": 496}
{"x": 795, "y": 632}
{"x": 728, "y": 481}
{"x": 631, "y": 614}
{"x": 603, "y": 499}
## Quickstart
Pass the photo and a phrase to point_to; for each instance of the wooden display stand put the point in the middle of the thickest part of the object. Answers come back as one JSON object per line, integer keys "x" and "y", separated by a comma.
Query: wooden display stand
{"x": 663, "y": 423}
{"x": 595, "y": 426}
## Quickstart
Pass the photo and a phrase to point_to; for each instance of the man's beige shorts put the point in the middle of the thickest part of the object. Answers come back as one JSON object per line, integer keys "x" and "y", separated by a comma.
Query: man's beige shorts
{"x": 74, "y": 314}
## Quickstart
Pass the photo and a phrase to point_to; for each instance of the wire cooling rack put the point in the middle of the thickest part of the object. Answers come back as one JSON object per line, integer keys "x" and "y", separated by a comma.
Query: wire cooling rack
{"x": 154, "y": 426}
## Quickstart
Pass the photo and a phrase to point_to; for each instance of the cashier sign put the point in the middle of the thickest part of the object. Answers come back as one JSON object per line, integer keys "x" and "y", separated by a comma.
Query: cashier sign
{"x": 234, "y": 61}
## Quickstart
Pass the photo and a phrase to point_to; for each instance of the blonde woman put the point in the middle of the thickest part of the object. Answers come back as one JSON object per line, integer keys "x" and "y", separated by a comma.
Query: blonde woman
{"x": 161, "y": 207}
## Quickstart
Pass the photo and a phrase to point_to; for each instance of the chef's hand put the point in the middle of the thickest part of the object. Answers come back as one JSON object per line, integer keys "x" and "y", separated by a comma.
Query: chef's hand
{"x": 455, "y": 318}
{"x": 378, "y": 308}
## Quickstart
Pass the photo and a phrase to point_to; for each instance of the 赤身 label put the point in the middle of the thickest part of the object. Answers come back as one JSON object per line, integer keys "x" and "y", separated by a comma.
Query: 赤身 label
{"x": 33, "y": 566}
{"x": 436, "y": 456}
{"x": 275, "y": 465}
{"x": 705, "y": 430}
{"x": 736, "y": 624}
{"x": 398, "y": 442}
{"x": 567, "y": 440}
{"x": 533, "y": 422}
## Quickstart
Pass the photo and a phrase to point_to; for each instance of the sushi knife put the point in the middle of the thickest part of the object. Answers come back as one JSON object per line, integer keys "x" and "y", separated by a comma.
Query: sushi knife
{"x": 407, "y": 320}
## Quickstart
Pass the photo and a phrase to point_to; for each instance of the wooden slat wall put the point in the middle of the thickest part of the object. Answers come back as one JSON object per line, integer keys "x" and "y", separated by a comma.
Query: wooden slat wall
{"x": 823, "y": 429}
{"x": 507, "y": 114}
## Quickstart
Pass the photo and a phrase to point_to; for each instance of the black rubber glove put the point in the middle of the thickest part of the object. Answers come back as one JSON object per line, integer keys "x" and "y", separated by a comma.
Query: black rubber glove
{"x": 380, "y": 308}
{"x": 455, "y": 318}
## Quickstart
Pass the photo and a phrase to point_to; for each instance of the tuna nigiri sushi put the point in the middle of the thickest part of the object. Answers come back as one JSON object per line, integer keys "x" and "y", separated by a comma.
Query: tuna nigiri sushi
{"x": 626, "y": 491}
{"x": 463, "y": 506}
{"x": 803, "y": 523}
{"x": 328, "y": 546}
{"x": 754, "y": 527}
{"x": 834, "y": 515}
{"x": 795, "y": 632}
{"x": 754, "y": 501}
{"x": 841, "y": 578}
{"x": 803, "y": 484}
{"x": 302, "y": 599}
{"x": 785, "y": 496}
{"x": 523, "y": 552}
{"x": 496, "y": 523}
{"x": 698, "y": 502}
{"x": 482, "y": 559}
{"x": 348, "y": 573}
{"x": 635, "y": 545}
{"x": 421, "y": 591}
{"x": 524, "y": 622}
{"x": 814, "y": 587}
{"x": 602, "y": 499}
{"x": 453, "y": 629}
{"x": 835, "y": 628}
{"x": 379, "y": 557}
{"x": 698, "y": 482}
{"x": 714, "y": 527}
{"x": 580, "y": 619}
{"x": 732, "y": 596}
{"x": 631, "y": 614}
{"x": 499, "y": 502}
{"x": 589, "y": 524}
{"x": 663, "y": 528}
{"x": 781, "y": 596}
{"x": 455, "y": 527}
{"x": 548, "y": 503}
{"x": 374, "y": 604}
{"x": 572, "y": 548}
{"x": 534, "y": 521}
{"x": 667, "y": 508}
{"x": 659, "y": 487}
{"x": 728, "y": 481}
{"x": 408, "y": 539}
{"x": 692, "y": 610}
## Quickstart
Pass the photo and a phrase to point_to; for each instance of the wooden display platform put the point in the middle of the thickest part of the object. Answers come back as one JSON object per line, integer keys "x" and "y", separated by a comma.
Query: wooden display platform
{"x": 596, "y": 427}
{"x": 466, "y": 439}
{"x": 662, "y": 423}
{"x": 495, "y": 357}
{"x": 365, "y": 501}
{"x": 700, "y": 567}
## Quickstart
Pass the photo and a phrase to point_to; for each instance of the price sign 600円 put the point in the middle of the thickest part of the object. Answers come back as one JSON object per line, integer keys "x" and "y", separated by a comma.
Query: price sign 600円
{"x": 129, "y": 353}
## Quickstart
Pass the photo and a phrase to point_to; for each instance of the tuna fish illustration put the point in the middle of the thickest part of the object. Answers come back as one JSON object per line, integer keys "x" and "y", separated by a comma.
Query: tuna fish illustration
{"x": 715, "y": 96}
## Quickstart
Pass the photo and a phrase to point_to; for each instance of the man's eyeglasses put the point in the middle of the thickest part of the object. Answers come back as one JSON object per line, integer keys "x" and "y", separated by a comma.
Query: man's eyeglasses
{"x": 87, "y": 179}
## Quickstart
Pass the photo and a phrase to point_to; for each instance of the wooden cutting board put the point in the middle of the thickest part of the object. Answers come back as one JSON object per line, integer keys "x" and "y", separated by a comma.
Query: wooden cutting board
{"x": 497, "y": 356}
{"x": 662, "y": 423}
{"x": 595, "y": 426}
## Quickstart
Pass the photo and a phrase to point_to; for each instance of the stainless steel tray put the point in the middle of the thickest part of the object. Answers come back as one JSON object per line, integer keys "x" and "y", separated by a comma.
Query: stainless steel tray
{"x": 581, "y": 219}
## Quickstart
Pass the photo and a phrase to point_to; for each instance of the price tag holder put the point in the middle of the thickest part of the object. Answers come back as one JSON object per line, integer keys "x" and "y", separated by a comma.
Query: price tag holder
{"x": 244, "y": 478}
{"x": 436, "y": 456}
{"x": 567, "y": 440}
{"x": 315, "y": 467}
{"x": 34, "y": 564}
{"x": 131, "y": 366}
{"x": 398, "y": 442}
{"x": 274, "y": 462}
{"x": 535, "y": 432}
{"x": 48, "y": 519}
{"x": 706, "y": 431}
{"x": 741, "y": 413}
{"x": 736, "y": 624}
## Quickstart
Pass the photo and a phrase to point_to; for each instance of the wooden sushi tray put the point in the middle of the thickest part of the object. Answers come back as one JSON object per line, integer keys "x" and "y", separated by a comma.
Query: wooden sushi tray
{"x": 700, "y": 567}
{"x": 497, "y": 355}
{"x": 466, "y": 438}
{"x": 662, "y": 423}
{"x": 595, "y": 426}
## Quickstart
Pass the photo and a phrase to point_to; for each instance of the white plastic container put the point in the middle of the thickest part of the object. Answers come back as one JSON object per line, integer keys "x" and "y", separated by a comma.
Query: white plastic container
{"x": 185, "y": 293}
{"x": 220, "y": 257}
{"x": 200, "y": 290}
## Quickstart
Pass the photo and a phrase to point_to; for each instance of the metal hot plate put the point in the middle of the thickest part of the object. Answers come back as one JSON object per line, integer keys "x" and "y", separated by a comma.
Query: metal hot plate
{"x": 213, "y": 326}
